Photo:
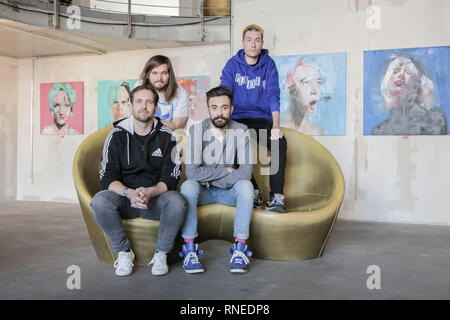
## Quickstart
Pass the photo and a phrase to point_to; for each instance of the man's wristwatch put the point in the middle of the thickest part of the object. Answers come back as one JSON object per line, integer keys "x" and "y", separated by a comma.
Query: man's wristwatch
{"x": 124, "y": 191}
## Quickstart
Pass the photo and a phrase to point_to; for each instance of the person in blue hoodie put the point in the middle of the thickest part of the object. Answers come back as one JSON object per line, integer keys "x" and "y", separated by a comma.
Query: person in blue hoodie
{"x": 252, "y": 77}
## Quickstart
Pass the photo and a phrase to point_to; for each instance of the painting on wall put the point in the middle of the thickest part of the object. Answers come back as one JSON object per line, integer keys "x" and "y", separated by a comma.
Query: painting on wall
{"x": 113, "y": 97}
{"x": 313, "y": 93}
{"x": 196, "y": 88}
{"x": 62, "y": 108}
{"x": 407, "y": 91}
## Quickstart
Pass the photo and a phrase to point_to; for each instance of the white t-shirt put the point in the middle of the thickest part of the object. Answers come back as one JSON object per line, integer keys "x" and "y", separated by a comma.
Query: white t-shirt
{"x": 177, "y": 108}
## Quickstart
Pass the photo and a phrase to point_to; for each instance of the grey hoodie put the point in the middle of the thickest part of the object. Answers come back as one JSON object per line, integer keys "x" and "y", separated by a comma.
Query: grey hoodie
{"x": 207, "y": 157}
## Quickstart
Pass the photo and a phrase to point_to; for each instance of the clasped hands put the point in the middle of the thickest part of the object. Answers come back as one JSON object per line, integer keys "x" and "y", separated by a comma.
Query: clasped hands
{"x": 139, "y": 197}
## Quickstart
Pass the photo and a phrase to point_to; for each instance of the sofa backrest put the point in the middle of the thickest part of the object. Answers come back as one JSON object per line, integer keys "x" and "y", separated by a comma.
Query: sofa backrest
{"x": 311, "y": 177}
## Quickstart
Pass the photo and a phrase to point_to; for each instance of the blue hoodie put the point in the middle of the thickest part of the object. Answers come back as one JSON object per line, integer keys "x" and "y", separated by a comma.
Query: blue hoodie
{"x": 256, "y": 91}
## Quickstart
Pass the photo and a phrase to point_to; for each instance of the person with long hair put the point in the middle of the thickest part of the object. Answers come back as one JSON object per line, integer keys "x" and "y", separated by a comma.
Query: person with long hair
{"x": 174, "y": 103}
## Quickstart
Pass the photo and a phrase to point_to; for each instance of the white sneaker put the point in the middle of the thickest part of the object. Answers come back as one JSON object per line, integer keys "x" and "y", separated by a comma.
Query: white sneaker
{"x": 124, "y": 263}
{"x": 159, "y": 262}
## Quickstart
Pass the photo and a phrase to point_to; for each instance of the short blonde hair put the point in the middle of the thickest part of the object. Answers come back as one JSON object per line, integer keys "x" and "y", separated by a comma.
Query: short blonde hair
{"x": 253, "y": 27}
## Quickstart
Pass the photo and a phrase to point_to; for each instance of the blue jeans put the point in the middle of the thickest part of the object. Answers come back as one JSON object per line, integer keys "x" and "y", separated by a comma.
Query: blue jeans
{"x": 240, "y": 195}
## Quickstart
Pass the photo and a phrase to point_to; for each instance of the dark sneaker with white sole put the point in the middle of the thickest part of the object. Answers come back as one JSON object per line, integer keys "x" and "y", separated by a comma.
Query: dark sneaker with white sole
{"x": 276, "y": 203}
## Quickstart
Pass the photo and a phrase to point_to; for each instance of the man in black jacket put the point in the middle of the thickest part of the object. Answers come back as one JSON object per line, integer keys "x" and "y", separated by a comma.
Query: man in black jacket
{"x": 140, "y": 180}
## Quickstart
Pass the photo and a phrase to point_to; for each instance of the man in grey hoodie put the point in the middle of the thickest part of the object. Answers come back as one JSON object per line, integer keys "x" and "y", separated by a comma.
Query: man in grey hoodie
{"x": 218, "y": 170}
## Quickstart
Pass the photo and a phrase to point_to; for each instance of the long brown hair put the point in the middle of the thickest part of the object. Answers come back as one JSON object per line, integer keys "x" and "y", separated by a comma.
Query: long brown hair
{"x": 154, "y": 62}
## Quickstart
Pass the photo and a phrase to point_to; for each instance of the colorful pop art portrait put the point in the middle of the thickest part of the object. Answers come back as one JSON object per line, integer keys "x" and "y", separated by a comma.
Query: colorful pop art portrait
{"x": 196, "y": 88}
{"x": 113, "y": 99}
{"x": 62, "y": 108}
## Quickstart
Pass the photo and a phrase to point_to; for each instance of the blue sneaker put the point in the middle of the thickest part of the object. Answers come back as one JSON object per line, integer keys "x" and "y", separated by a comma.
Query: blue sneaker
{"x": 191, "y": 264}
{"x": 239, "y": 260}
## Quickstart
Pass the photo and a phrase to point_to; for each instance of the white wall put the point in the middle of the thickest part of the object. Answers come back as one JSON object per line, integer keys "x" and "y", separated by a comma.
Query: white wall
{"x": 8, "y": 128}
{"x": 45, "y": 162}
{"x": 388, "y": 178}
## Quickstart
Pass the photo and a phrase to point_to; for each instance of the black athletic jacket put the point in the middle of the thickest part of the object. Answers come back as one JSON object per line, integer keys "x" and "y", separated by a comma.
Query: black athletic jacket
{"x": 127, "y": 160}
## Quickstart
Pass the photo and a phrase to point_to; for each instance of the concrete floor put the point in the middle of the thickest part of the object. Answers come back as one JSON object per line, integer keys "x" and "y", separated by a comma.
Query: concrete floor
{"x": 39, "y": 241}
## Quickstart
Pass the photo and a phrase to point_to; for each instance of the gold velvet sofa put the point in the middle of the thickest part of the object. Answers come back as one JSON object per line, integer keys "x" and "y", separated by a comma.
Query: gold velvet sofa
{"x": 314, "y": 190}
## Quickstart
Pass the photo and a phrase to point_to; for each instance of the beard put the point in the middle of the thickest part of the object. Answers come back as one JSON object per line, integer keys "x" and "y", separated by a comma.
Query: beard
{"x": 220, "y": 125}
{"x": 159, "y": 85}
{"x": 143, "y": 117}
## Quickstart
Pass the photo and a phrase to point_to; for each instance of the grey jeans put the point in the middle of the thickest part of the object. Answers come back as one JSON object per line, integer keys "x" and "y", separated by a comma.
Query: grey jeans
{"x": 110, "y": 208}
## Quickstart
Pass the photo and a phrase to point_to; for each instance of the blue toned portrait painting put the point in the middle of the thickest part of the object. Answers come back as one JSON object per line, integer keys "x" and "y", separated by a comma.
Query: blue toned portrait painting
{"x": 407, "y": 91}
{"x": 313, "y": 88}
{"x": 113, "y": 99}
